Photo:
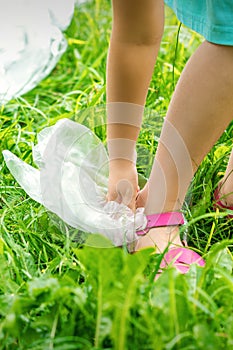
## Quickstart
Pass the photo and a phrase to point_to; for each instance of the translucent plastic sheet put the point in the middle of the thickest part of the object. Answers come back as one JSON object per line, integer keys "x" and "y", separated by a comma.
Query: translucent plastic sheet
{"x": 31, "y": 42}
{"x": 72, "y": 182}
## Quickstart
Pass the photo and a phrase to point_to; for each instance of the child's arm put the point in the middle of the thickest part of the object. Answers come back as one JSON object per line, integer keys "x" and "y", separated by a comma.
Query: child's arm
{"x": 136, "y": 35}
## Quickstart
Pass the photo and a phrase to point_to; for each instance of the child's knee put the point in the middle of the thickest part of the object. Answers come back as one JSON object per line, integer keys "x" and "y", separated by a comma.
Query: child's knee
{"x": 139, "y": 23}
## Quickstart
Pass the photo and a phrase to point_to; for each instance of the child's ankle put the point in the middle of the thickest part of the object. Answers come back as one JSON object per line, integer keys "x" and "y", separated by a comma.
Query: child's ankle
{"x": 167, "y": 206}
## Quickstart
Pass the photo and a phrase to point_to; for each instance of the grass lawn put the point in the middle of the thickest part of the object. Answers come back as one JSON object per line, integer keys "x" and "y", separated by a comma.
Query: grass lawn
{"x": 56, "y": 294}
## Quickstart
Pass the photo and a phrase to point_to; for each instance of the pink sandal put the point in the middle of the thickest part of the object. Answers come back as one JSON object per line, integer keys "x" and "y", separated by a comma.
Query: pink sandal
{"x": 181, "y": 258}
{"x": 218, "y": 203}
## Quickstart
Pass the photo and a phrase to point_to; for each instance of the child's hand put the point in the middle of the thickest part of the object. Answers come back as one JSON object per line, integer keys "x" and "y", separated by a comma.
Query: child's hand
{"x": 142, "y": 197}
{"x": 123, "y": 182}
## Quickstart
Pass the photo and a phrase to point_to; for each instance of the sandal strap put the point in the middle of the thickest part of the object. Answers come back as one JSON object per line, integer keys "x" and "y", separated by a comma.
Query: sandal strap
{"x": 172, "y": 218}
{"x": 181, "y": 259}
{"x": 218, "y": 201}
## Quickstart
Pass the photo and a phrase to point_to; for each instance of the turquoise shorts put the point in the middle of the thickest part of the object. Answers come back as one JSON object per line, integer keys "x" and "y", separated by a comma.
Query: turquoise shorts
{"x": 211, "y": 18}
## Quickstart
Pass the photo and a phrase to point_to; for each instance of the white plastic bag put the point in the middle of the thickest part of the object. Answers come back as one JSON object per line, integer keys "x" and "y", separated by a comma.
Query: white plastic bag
{"x": 31, "y": 42}
{"x": 72, "y": 182}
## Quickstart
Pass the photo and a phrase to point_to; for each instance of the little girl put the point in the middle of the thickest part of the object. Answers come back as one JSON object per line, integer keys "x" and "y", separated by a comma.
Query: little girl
{"x": 200, "y": 110}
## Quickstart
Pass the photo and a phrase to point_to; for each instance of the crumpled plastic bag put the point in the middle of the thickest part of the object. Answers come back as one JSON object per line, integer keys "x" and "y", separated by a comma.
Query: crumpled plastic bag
{"x": 72, "y": 182}
{"x": 31, "y": 42}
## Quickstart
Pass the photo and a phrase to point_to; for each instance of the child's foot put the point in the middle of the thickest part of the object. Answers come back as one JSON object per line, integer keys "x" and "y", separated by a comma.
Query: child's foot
{"x": 162, "y": 232}
{"x": 159, "y": 238}
{"x": 225, "y": 193}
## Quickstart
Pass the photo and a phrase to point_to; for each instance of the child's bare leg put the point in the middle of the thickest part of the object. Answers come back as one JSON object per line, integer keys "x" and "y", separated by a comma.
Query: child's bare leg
{"x": 135, "y": 41}
{"x": 226, "y": 187}
{"x": 200, "y": 110}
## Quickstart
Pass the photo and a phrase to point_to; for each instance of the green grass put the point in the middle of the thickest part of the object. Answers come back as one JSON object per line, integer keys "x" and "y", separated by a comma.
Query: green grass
{"x": 55, "y": 294}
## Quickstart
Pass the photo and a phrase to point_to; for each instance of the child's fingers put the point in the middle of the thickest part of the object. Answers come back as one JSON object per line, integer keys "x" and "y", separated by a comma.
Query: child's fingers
{"x": 141, "y": 198}
{"x": 124, "y": 192}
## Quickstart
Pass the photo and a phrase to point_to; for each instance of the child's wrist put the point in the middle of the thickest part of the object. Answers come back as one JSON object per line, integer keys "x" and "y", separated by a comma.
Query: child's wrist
{"x": 124, "y": 121}
{"x": 122, "y": 149}
{"x": 121, "y": 164}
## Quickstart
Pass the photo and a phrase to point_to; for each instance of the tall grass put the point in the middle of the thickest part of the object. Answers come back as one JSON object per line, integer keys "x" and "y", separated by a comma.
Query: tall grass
{"x": 55, "y": 294}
